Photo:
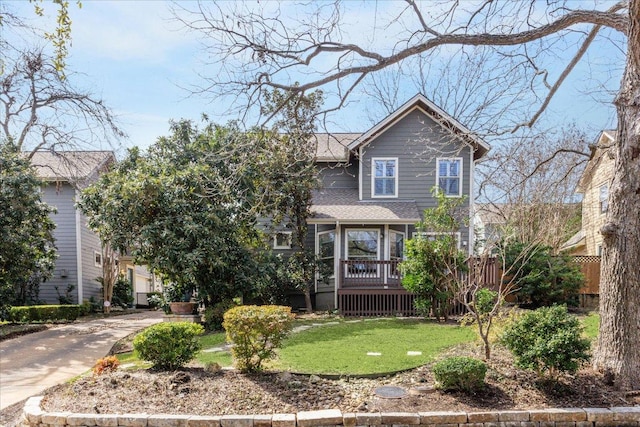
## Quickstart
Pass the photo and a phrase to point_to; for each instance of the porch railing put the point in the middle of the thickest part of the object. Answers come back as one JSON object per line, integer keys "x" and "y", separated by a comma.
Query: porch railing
{"x": 369, "y": 274}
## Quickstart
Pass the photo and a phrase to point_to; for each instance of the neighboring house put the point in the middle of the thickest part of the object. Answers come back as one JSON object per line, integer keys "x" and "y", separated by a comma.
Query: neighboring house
{"x": 142, "y": 280}
{"x": 375, "y": 188}
{"x": 594, "y": 187}
{"x": 79, "y": 249}
{"x": 489, "y": 221}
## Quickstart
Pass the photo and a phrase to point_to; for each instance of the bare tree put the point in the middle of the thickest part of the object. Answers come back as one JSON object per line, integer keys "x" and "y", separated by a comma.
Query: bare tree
{"x": 40, "y": 110}
{"x": 267, "y": 47}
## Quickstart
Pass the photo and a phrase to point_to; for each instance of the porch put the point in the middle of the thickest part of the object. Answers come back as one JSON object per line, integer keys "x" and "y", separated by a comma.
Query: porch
{"x": 374, "y": 288}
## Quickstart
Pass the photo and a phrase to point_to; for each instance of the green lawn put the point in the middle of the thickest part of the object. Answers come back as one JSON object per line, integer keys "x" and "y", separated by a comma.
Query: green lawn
{"x": 591, "y": 324}
{"x": 371, "y": 346}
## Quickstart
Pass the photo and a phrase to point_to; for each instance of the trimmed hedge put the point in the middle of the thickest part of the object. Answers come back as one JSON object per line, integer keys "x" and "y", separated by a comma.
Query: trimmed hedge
{"x": 45, "y": 313}
{"x": 168, "y": 345}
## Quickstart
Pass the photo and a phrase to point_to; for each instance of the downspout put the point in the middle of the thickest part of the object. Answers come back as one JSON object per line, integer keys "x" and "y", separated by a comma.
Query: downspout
{"x": 79, "y": 252}
{"x": 336, "y": 264}
{"x": 471, "y": 203}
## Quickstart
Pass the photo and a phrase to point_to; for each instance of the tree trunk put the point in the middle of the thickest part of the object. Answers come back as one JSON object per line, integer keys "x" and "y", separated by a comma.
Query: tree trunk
{"x": 618, "y": 351}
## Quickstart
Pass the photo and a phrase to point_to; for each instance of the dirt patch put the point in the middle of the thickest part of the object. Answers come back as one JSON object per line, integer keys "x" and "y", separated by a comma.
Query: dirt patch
{"x": 193, "y": 390}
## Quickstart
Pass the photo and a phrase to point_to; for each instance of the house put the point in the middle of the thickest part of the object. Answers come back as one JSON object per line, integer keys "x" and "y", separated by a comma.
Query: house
{"x": 375, "y": 188}
{"x": 594, "y": 187}
{"x": 80, "y": 255}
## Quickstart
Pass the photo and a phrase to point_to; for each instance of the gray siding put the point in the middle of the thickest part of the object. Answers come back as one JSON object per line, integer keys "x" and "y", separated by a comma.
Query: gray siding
{"x": 338, "y": 175}
{"x": 61, "y": 196}
{"x": 90, "y": 272}
{"x": 417, "y": 141}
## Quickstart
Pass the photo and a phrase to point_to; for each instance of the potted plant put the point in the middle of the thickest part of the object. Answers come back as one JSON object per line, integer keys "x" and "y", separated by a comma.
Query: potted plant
{"x": 178, "y": 296}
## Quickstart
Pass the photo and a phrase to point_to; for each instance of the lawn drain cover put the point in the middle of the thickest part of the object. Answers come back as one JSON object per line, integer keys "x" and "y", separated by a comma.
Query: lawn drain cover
{"x": 390, "y": 392}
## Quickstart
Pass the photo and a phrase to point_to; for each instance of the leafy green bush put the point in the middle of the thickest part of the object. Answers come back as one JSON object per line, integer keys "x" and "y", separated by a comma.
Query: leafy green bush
{"x": 44, "y": 313}
{"x": 542, "y": 278}
{"x": 256, "y": 331}
{"x": 214, "y": 315}
{"x": 168, "y": 345}
{"x": 460, "y": 373}
{"x": 122, "y": 293}
{"x": 548, "y": 341}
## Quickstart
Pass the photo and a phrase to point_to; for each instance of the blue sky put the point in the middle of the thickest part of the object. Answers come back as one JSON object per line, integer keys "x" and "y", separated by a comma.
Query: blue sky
{"x": 135, "y": 58}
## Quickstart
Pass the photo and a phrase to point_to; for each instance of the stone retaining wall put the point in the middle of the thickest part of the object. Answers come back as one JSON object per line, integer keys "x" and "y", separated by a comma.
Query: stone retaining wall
{"x": 573, "y": 417}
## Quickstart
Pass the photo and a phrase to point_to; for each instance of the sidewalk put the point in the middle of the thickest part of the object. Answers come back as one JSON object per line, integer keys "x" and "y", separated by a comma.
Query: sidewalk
{"x": 32, "y": 363}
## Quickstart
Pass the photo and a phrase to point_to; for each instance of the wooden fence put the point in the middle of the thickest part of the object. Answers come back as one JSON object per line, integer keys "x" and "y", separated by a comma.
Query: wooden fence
{"x": 590, "y": 266}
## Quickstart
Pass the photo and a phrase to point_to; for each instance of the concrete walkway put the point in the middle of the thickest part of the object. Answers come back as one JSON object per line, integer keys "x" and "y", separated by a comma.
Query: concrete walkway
{"x": 32, "y": 363}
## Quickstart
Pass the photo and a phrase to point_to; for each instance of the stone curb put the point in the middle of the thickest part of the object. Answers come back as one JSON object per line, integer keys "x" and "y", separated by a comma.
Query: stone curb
{"x": 33, "y": 416}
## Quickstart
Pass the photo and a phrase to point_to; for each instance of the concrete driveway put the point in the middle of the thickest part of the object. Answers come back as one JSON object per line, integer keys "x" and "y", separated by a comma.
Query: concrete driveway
{"x": 32, "y": 363}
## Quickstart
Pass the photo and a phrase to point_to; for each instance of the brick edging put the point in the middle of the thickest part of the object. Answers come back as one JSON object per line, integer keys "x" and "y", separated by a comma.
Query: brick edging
{"x": 34, "y": 416}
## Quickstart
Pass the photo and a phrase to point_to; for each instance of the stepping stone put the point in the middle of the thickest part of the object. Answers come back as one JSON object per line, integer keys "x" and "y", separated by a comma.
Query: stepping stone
{"x": 414, "y": 353}
{"x": 213, "y": 350}
{"x": 372, "y": 353}
{"x": 390, "y": 392}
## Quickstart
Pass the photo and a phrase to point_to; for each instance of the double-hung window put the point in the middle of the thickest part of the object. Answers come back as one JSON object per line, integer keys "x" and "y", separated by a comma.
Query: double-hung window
{"x": 604, "y": 198}
{"x": 326, "y": 251}
{"x": 384, "y": 179}
{"x": 450, "y": 176}
{"x": 282, "y": 240}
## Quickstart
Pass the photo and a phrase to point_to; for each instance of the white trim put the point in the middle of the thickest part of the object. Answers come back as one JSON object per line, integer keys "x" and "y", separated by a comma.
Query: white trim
{"x": 346, "y": 243}
{"x": 97, "y": 255}
{"x": 275, "y": 240}
{"x": 472, "y": 207}
{"x": 318, "y": 233}
{"x": 336, "y": 264}
{"x": 408, "y": 107}
{"x": 461, "y": 172}
{"x": 79, "y": 251}
{"x": 407, "y": 221}
{"x": 360, "y": 173}
{"x": 374, "y": 177}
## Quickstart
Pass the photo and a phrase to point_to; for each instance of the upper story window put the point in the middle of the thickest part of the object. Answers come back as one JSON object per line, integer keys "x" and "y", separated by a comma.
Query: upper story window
{"x": 450, "y": 176}
{"x": 282, "y": 240}
{"x": 604, "y": 198}
{"x": 384, "y": 180}
{"x": 97, "y": 259}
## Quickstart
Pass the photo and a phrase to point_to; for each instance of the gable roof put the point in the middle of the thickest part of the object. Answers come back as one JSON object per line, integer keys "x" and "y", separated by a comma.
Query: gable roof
{"x": 447, "y": 122}
{"x": 343, "y": 205}
{"x": 598, "y": 150}
{"x": 76, "y": 167}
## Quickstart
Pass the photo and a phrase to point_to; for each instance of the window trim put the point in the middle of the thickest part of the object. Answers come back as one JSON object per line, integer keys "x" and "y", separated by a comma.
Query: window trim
{"x": 603, "y": 204}
{"x": 346, "y": 249}
{"x": 97, "y": 259}
{"x": 450, "y": 159}
{"x": 275, "y": 240}
{"x": 373, "y": 178}
{"x": 335, "y": 240}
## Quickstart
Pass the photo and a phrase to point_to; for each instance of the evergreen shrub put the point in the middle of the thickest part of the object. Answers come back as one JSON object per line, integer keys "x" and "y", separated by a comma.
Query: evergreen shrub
{"x": 460, "y": 373}
{"x": 168, "y": 345}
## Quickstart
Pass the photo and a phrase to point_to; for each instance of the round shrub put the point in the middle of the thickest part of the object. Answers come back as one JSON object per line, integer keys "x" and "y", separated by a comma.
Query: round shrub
{"x": 168, "y": 345}
{"x": 460, "y": 373}
{"x": 256, "y": 331}
{"x": 548, "y": 340}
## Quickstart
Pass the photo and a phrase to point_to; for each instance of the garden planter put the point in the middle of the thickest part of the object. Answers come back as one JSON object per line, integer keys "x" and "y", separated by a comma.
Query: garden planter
{"x": 182, "y": 307}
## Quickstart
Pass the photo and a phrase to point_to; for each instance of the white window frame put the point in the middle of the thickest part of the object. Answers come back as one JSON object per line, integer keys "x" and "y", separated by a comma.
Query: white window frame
{"x": 346, "y": 247}
{"x": 603, "y": 204}
{"x": 275, "y": 240}
{"x": 373, "y": 178}
{"x": 335, "y": 240}
{"x": 449, "y": 159}
{"x": 97, "y": 259}
{"x": 395, "y": 274}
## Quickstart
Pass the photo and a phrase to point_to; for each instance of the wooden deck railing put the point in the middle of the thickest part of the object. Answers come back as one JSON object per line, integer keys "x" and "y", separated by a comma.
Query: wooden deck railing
{"x": 369, "y": 274}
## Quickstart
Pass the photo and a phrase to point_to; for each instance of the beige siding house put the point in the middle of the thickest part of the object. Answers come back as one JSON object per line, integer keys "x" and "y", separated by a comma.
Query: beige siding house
{"x": 594, "y": 186}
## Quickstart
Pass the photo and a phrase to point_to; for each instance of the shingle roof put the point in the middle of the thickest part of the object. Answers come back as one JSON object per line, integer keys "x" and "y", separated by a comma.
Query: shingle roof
{"x": 78, "y": 167}
{"x": 332, "y": 147}
{"x": 342, "y": 205}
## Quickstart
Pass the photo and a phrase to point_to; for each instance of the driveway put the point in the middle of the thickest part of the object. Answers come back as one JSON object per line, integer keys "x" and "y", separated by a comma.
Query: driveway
{"x": 32, "y": 363}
